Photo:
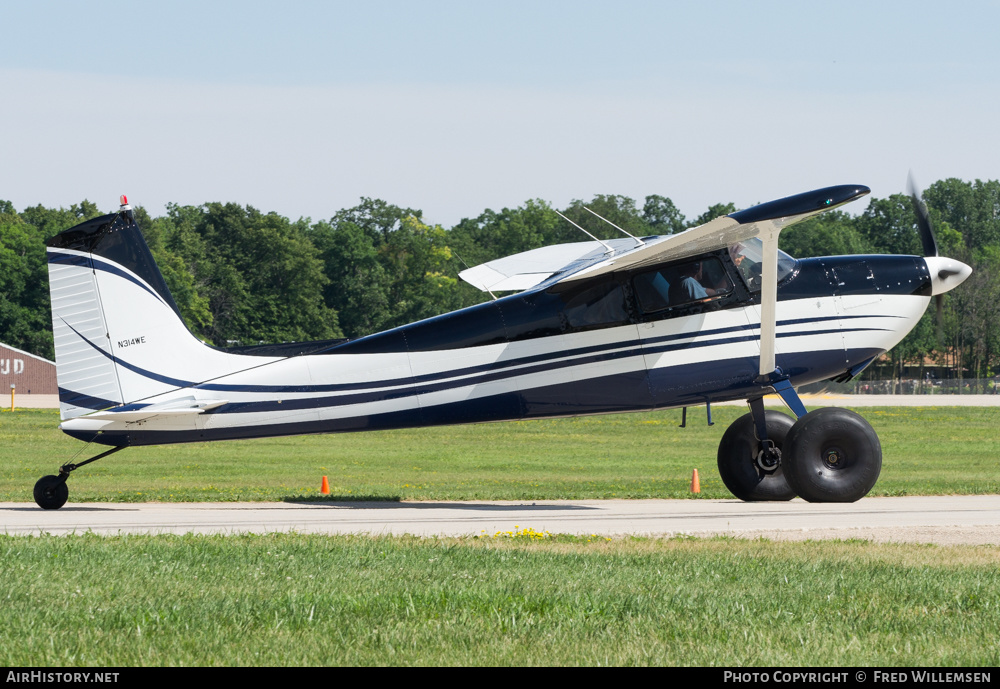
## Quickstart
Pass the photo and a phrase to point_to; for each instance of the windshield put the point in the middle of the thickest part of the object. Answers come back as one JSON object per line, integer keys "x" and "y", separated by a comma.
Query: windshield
{"x": 749, "y": 255}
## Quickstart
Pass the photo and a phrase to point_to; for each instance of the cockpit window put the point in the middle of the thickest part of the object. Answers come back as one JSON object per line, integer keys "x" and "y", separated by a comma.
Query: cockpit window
{"x": 689, "y": 282}
{"x": 600, "y": 305}
{"x": 749, "y": 256}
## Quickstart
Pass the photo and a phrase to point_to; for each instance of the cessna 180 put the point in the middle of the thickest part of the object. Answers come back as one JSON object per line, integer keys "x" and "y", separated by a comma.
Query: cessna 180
{"x": 710, "y": 314}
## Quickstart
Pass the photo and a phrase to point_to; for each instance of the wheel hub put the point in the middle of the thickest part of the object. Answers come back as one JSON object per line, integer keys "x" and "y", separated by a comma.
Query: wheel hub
{"x": 834, "y": 458}
{"x": 768, "y": 457}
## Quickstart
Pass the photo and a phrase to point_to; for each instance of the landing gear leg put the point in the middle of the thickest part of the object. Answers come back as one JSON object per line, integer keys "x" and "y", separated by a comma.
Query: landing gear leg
{"x": 51, "y": 492}
{"x": 750, "y": 455}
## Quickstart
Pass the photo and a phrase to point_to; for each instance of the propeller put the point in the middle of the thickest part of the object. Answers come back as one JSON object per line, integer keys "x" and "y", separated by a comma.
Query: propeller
{"x": 927, "y": 239}
{"x": 923, "y": 219}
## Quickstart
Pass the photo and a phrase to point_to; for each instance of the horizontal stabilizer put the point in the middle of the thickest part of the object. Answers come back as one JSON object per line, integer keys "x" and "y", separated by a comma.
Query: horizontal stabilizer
{"x": 183, "y": 407}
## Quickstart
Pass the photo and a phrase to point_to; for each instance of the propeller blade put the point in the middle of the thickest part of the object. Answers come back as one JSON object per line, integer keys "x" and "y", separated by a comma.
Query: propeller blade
{"x": 939, "y": 316}
{"x": 923, "y": 219}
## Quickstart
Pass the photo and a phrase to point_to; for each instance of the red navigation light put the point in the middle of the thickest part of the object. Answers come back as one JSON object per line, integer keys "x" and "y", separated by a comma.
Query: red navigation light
{"x": 124, "y": 200}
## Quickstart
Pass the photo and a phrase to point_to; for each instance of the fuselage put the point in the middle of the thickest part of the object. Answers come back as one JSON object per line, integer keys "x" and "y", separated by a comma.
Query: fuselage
{"x": 586, "y": 347}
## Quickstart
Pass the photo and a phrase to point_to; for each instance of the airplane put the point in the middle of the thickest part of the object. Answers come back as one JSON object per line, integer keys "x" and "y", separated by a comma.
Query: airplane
{"x": 714, "y": 313}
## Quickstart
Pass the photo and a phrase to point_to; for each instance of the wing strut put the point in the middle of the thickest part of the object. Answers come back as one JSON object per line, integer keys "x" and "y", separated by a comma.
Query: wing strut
{"x": 768, "y": 300}
{"x": 770, "y": 374}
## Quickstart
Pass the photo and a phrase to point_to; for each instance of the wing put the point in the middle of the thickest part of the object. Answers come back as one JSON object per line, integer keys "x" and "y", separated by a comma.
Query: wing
{"x": 529, "y": 268}
{"x": 576, "y": 261}
{"x": 761, "y": 221}
{"x": 592, "y": 259}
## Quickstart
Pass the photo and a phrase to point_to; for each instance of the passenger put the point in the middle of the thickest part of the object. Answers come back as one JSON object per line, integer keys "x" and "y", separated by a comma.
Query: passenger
{"x": 689, "y": 288}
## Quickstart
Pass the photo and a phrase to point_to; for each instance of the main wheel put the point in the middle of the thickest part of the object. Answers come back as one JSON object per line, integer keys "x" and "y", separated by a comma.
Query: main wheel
{"x": 51, "y": 492}
{"x": 832, "y": 455}
{"x": 744, "y": 474}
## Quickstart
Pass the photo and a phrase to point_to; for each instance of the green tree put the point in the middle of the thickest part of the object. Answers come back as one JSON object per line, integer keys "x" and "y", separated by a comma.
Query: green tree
{"x": 419, "y": 263}
{"x": 620, "y": 210}
{"x": 358, "y": 287}
{"x": 177, "y": 273}
{"x": 971, "y": 208}
{"x": 828, "y": 234}
{"x": 261, "y": 275}
{"x": 376, "y": 217}
{"x": 363, "y": 279}
{"x": 972, "y": 319}
{"x": 25, "y": 320}
{"x": 889, "y": 226}
{"x": 662, "y": 216}
{"x": 714, "y": 211}
{"x": 495, "y": 234}
{"x": 50, "y": 221}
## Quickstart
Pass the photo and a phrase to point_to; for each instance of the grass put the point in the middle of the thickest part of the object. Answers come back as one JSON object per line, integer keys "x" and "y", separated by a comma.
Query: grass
{"x": 933, "y": 450}
{"x": 520, "y": 600}
{"x": 514, "y": 598}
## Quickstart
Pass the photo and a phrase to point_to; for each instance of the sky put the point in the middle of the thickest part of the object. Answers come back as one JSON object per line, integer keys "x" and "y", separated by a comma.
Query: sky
{"x": 303, "y": 108}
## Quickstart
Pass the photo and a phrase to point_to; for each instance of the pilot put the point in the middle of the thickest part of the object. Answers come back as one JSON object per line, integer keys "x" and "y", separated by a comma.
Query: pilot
{"x": 745, "y": 265}
{"x": 739, "y": 258}
{"x": 736, "y": 253}
{"x": 689, "y": 288}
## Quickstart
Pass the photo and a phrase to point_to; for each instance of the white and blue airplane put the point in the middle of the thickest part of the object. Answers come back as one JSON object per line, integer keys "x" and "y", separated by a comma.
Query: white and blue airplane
{"x": 711, "y": 314}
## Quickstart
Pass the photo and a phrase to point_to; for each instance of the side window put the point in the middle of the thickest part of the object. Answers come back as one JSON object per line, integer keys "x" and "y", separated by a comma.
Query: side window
{"x": 602, "y": 304}
{"x": 689, "y": 282}
{"x": 653, "y": 291}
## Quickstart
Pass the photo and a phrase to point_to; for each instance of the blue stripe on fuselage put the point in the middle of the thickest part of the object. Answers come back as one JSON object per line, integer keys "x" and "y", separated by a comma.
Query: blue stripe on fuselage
{"x": 650, "y": 346}
{"x": 410, "y": 391}
{"x": 614, "y": 393}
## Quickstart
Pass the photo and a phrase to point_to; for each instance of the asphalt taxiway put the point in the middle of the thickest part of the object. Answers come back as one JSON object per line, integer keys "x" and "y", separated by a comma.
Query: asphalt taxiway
{"x": 943, "y": 520}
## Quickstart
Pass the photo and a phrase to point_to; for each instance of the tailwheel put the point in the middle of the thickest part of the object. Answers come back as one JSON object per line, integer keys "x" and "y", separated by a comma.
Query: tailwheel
{"x": 51, "y": 492}
{"x": 753, "y": 470}
{"x": 832, "y": 455}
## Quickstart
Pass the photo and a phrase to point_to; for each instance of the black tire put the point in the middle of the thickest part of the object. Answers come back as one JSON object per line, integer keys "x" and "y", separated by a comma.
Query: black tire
{"x": 832, "y": 455}
{"x": 738, "y": 459}
{"x": 51, "y": 492}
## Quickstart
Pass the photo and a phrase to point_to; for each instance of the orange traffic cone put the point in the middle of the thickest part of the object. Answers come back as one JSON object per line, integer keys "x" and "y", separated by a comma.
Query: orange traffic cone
{"x": 695, "y": 483}
{"x": 325, "y": 488}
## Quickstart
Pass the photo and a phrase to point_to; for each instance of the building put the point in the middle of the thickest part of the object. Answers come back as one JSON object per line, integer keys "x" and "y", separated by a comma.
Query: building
{"x": 32, "y": 375}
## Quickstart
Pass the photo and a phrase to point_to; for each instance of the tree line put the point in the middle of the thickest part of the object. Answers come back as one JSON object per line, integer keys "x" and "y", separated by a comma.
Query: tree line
{"x": 242, "y": 276}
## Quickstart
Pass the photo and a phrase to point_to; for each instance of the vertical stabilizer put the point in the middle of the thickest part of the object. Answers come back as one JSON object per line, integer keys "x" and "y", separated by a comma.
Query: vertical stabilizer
{"x": 103, "y": 283}
{"x": 119, "y": 336}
